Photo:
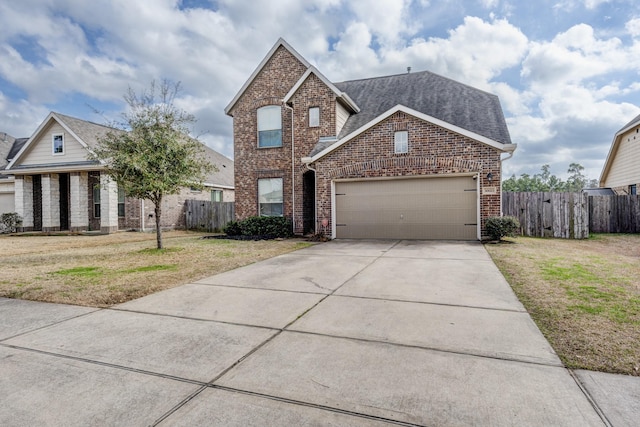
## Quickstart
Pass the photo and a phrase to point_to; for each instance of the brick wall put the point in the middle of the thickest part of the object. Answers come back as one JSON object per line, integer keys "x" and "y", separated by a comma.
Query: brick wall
{"x": 432, "y": 151}
{"x": 269, "y": 87}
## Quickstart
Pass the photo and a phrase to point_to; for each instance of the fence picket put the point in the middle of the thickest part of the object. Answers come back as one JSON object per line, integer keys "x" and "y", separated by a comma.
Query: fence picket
{"x": 208, "y": 216}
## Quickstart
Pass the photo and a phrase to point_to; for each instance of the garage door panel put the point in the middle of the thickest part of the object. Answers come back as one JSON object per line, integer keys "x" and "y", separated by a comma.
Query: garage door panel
{"x": 425, "y": 208}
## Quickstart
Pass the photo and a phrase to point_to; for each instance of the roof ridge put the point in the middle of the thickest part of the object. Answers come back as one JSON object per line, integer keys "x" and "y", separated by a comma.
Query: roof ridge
{"x": 83, "y": 120}
{"x": 418, "y": 73}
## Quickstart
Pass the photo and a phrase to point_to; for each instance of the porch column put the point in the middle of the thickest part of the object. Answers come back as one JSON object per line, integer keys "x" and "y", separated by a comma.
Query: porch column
{"x": 79, "y": 201}
{"x": 50, "y": 202}
{"x": 108, "y": 205}
{"x": 23, "y": 198}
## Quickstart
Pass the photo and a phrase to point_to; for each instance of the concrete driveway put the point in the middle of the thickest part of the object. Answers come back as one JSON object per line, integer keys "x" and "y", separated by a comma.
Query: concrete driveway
{"x": 357, "y": 333}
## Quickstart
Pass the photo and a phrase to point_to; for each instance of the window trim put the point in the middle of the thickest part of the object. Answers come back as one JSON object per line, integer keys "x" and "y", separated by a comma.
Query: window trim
{"x": 265, "y": 109}
{"x": 96, "y": 201}
{"x": 401, "y": 146}
{"x": 281, "y": 203}
{"x": 53, "y": 144}
{"x": 316, "y": 116}
{"x": 214, "y": 197}
{"x": 121, "y": 204}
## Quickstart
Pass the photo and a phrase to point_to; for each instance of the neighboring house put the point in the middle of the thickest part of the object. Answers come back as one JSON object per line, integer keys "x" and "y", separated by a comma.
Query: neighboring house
{"x": 411, "y": 156}
{"x": 9, "y": 146}
{"x": 621, "y": 171}
{"x": 57, "y": 188}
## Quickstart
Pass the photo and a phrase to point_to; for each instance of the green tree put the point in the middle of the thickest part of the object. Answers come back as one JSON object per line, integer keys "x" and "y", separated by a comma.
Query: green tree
{"x": 150, "y": 154}
{"x": 576, "y": 181}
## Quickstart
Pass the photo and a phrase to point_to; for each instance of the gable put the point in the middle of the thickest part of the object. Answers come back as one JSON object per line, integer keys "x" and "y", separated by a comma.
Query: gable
{"x": 622, "y": 166}
{"x": 40, "y": 150}
{"x": 276, "y": 74}
{"x": 322, "y": 150}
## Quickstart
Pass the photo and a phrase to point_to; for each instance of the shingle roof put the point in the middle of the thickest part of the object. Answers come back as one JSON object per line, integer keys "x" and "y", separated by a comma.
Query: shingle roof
{"x": 636, "y": 120}
{"x": 445, "y": 99}
{"x": 6, "y": 142}
{"x": 224, "y": 174}
{"x": 88, "y": 132}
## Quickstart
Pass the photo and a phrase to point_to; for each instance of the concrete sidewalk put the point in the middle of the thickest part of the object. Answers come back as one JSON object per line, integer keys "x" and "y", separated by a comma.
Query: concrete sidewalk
{"x": 358, "y": 333}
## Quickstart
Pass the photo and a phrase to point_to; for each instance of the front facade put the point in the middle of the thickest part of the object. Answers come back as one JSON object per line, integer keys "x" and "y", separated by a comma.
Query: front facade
{"x": 621, "y": 172}
{"x": 411, "y": 156}
{"x": 57, "y": 188}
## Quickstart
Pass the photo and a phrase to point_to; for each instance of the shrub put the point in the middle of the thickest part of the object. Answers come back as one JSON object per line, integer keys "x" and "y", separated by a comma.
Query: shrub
{"x": 10, "y": 222}
{"x": 232, "y": 229}
{"x": 502, "y": 226}
{"x": 271, "y": 226}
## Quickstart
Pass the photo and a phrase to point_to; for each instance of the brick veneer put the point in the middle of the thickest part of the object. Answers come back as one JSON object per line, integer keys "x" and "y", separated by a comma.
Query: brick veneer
{"x": 432, "y": 149}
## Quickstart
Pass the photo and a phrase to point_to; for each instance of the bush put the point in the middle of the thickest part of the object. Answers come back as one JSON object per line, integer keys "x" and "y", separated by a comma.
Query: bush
{"x": 232, "y": 229}
{"x": 502, "y": 226}
{"x": 271, "y": 226}
{"x": 10, "y": 222}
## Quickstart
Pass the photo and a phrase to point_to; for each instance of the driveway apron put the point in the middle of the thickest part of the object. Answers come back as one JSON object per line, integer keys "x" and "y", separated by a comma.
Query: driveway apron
{"x": 362, "y": 333}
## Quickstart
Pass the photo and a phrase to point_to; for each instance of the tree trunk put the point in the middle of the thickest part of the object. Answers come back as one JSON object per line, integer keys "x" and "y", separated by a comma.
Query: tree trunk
{"x": 158, "y": 209}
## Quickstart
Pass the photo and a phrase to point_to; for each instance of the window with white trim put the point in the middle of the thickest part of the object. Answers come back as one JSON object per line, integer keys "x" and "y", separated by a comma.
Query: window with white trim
{"x": 401, "y": 142}
{"x": 96, "y": 201}
{"x": 216, "y": 195}
{"x": 57, "y": 144}
{"x": 270, "y": 201}
{"x": 120, "y": 202}
{"x": 314, "y": 117}
{"x": 270, "y": 126}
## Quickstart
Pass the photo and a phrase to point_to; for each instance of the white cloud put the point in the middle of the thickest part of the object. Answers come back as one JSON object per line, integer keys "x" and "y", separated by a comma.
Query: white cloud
{"x": 633, "y": 27}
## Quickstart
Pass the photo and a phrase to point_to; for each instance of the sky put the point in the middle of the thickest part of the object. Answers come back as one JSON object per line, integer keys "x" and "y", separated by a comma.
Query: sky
{"x": 567, "y": 72}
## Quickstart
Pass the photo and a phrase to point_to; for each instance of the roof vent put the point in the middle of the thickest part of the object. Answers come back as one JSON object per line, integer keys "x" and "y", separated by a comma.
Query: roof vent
{"x": 408, "y": 70}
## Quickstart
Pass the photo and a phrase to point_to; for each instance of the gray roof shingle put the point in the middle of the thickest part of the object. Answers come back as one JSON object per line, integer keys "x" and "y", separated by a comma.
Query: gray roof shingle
{"x": 445, "y": 99}
{"x": 635, "y": 120}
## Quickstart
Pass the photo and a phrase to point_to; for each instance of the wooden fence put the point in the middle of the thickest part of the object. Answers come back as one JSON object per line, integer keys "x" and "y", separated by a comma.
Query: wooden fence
{"x": 564, "y": 215}
{"x": 208, "y": 216}
{"x": 614, "y": 214}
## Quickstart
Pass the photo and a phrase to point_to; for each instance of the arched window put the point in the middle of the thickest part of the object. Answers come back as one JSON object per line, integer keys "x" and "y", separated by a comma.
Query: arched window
{"x": 269, "y": 126}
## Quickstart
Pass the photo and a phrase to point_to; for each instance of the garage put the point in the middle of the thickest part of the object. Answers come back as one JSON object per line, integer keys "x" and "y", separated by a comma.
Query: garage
{"x": 434, "y": 208}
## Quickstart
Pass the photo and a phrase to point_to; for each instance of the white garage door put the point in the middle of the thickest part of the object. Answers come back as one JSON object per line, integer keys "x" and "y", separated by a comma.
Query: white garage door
{"x": 419, "y": 208}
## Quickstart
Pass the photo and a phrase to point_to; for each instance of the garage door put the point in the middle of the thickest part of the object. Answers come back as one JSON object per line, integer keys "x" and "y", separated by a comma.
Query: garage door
{"x": 419, "y": 208}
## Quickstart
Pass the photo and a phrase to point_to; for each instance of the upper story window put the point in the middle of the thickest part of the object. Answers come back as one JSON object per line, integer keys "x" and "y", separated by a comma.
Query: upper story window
{"x": 57, "y": 143}
{"x": 314, "y": 117}
{"x": 269, "y": 126}
{"x": 401, "y": 142}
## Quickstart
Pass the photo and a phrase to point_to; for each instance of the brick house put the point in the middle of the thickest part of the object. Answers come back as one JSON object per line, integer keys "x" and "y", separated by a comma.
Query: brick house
{"x": 55, "y": 187}
{"x": 411, "y": 156}
{"x": 621, "y": 172}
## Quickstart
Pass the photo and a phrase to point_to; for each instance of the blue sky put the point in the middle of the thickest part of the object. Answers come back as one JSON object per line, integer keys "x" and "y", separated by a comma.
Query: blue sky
{"x": 567, "y": 71}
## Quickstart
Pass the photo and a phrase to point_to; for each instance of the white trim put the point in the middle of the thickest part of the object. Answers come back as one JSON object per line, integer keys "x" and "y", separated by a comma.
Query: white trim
{"x": 313, "y": 70}
{"x": 483, "y": 139}
{"x": 479, "y": 206}
{"x": 280, "y": 42}
{"x": 53, "y": 144}
{"x": 333, "y": 209}
{"x": 39, "y": 130}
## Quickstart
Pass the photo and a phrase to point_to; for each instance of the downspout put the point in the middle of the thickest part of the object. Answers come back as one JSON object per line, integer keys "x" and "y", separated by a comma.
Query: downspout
{"x": 293, "y": 173}
{"x": 315, "y": 193}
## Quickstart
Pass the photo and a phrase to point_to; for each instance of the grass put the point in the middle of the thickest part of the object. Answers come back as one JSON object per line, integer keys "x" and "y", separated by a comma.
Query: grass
{"x": 584, "y": 295}
{"x": 103, "y": 270}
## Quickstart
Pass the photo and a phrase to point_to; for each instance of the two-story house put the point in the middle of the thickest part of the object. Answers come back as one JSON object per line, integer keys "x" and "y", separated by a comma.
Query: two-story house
{"x": 411, "y": 156}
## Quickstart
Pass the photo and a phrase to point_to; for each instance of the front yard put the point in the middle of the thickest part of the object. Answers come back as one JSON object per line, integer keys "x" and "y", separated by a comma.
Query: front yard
{"x": 102, "y": 270}
{"x": 583, "y": 294}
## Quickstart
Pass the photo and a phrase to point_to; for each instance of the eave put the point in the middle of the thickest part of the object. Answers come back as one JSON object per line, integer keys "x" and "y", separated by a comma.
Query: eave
{"x": 504, "y": 148}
